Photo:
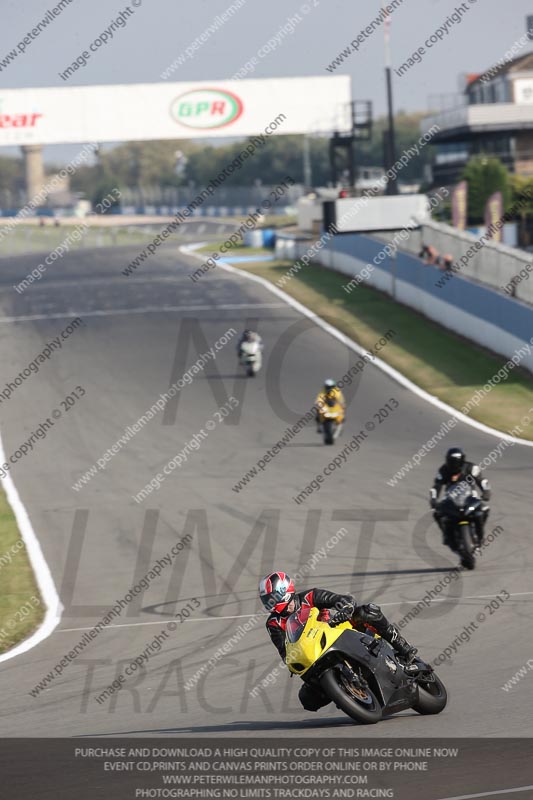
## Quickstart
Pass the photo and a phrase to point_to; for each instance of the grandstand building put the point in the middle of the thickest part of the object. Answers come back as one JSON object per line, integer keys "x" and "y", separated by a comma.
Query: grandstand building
{"x": 494, "y": 116}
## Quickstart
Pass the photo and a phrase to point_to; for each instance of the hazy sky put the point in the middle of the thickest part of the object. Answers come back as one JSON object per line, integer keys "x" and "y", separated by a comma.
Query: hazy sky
{"x": 159, "y": 31}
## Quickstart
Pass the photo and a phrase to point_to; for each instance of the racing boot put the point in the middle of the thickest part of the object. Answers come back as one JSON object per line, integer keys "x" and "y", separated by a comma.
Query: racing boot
{"x": 479, "y": 523}
{"x": 400, "y": 645}
{"x": 448, "y": 536}
{"x": 438, "y": 519}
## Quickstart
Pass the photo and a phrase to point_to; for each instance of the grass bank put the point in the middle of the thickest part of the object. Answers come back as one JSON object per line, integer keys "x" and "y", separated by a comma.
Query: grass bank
{"x": 21, "y": 609}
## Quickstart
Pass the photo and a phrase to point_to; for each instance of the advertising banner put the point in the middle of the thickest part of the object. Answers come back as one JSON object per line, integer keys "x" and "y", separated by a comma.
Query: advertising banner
{"x": 493, "y": 216}
{"x": 460, "y": 205}
{"x": 155, "y": 111}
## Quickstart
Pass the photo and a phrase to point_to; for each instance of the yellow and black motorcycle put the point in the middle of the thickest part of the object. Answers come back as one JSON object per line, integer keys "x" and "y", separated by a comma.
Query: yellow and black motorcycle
{"x": 331, "y": 417}
{"x": 358, "y": 670}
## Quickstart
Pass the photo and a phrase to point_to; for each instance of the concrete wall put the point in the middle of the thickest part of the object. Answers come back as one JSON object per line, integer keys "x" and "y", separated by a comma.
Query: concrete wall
{"x": 494, "y": 264}
{"x": 491, "y": 263}
{"x": 478, "y": 312}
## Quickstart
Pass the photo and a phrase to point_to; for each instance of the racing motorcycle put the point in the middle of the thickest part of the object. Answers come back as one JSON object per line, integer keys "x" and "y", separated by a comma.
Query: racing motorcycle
{"x": 459, "y": 508}
{"x": 250, "y": 357}
{"x": 358, "y": 670}
{"x": 331, "y": 417}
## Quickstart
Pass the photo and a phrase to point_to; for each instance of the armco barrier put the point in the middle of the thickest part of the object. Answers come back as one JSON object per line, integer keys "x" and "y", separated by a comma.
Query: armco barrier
{"x": 479, "y": 313}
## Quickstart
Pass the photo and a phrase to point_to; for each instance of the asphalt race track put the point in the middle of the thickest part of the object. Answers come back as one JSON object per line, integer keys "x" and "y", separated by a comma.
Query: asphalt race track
{"x": 142, "y": 332}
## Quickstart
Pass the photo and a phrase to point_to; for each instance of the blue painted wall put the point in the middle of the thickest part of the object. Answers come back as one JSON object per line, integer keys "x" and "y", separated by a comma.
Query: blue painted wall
{"x": 487, "y": 304}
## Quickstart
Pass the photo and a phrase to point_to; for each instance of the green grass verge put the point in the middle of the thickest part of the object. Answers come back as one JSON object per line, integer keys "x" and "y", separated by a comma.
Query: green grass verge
{"x": 19, "y": 614}
{"x": 444, "y": 364}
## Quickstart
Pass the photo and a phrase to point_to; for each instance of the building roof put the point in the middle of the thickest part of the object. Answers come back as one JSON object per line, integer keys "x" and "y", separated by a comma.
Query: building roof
{"x": 522, "y": 63}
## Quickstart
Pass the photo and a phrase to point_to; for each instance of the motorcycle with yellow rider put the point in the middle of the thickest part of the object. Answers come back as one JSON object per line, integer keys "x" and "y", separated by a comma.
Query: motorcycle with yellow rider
{"x": 358, "y": 670}
{"x": 346, "y": 652}
{"x": 330, "y": 411}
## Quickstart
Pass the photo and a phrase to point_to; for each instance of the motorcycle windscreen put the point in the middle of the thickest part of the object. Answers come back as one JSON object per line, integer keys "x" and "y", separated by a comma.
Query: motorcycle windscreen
{"x": 460, "y": 493}
{"x": 296, "y": 623}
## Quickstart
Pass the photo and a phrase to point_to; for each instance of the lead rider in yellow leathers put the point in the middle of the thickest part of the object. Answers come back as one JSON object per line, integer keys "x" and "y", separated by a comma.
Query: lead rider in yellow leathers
{"x": 330, "y": 392}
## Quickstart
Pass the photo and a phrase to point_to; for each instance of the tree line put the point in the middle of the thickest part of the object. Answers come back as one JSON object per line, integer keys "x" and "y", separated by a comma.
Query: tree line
{"x": 193, "y": 163}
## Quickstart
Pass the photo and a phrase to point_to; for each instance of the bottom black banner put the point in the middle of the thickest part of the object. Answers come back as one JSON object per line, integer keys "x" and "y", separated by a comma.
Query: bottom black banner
{"x": 405, "y": 769}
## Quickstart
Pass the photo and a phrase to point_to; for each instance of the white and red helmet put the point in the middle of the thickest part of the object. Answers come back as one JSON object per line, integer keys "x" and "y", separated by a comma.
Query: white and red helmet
{"x": 276, "y": 591}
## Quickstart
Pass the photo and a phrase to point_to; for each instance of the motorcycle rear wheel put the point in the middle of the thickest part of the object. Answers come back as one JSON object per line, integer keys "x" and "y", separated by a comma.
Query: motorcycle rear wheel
{"x": 432, "y": 696}
{"x": 359, "y": 704}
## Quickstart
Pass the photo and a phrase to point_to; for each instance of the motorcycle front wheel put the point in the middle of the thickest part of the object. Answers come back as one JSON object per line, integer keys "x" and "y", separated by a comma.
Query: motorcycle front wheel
{"x": 432, "y": 695}
{"x": 466, "y": 547}
{"x": 359, "y": 703}
{"x": 328, "y": 427}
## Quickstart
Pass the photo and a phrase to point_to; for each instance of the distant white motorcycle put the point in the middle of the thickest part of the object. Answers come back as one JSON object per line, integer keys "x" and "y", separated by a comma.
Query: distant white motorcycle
{"x": 251, "y": 358}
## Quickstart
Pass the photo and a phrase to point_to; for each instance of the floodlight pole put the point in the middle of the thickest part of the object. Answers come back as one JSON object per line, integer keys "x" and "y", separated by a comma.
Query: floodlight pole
{"x": 392, "y": 184}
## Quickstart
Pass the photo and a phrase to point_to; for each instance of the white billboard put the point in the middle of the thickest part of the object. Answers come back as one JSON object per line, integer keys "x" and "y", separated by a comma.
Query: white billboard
{"x": 136, "y": 112}
{"x": 380, "y": 213}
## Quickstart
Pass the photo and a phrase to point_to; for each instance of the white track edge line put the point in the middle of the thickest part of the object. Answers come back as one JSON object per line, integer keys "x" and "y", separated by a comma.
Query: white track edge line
{"x": 377, "y": 362}
{"x": 41, "y": 570}
{"x": 499, "y": 792}
{"x": 246, "y": 616}
{"x": 116, "y": 312}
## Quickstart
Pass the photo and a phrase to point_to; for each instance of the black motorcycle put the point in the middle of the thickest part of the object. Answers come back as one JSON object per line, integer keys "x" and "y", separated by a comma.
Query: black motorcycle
{"x": 358, "y": 670}
{"x": 459, "y": 510}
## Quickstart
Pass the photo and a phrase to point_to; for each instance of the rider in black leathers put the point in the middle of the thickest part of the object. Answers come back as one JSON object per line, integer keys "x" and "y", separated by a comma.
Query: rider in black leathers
{"x": 455, "y": 469}
{"x": 278, "y": 596}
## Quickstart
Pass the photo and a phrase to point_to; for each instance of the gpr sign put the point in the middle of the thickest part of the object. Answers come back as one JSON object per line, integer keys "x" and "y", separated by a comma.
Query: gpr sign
{"x": 206, "y": 108}
{"x": 188, "y": 110}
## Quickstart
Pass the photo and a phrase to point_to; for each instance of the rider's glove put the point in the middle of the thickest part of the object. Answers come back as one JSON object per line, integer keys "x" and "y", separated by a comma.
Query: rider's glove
{"x": 433, "y": 498}
{"x": 344, "y": 614}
